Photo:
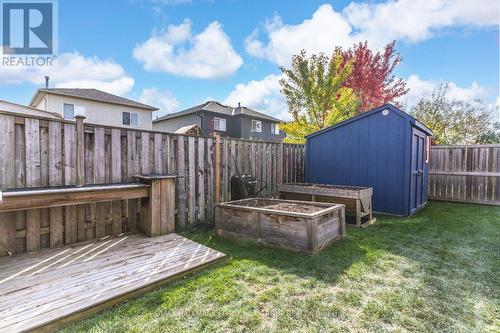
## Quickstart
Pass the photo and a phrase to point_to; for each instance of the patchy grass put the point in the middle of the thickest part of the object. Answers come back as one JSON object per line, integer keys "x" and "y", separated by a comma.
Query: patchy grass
{"x": 436, "y": 271}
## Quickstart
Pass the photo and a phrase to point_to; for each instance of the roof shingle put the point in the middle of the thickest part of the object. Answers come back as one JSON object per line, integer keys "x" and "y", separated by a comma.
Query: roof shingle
{"x": 216, "y": 107}
{"x": 97, "y": 95}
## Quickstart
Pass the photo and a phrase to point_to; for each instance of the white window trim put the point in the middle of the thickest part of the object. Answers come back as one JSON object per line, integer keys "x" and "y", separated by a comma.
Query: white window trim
{"x": 130, "y": 119}
{"x": 63, "y": 115}
{"x": 276, "y": 129}
{"x": 221, "y": 121}
{"x": 255, "y": 121}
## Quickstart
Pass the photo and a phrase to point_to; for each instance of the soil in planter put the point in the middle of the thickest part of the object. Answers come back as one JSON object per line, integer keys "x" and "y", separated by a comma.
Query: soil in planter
{"x": 285, "y": 206}
{"x": 337, "y": 187}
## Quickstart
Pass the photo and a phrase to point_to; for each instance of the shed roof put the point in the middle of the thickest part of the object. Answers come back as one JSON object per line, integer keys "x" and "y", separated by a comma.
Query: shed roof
{"x": 393, "y": 108}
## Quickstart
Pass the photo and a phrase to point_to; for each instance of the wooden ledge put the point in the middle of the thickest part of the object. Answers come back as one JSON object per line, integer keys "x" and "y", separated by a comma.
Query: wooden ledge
{"x": 156, "y": 177}
{"x": 34, "y": 198}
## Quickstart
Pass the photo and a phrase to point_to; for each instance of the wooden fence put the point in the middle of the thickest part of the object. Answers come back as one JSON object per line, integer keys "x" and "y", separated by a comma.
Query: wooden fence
{"x": 38, "y": 152}
{"x": 465, "y": 174}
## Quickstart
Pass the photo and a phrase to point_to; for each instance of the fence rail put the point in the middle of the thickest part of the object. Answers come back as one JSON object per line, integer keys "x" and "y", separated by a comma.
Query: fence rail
{"x": 465, "y": 174}
{"x": 37, "y": 152}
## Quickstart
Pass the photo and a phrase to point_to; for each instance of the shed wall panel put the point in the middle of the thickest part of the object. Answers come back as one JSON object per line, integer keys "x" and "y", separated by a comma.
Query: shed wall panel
{"x": 372, "y": 151}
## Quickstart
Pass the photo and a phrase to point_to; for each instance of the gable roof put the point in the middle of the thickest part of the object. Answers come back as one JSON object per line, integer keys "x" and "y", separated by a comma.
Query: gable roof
{"x": 92, "y": 94}
{"x": 216, "y": 107}
{"x": 26, "y": 110}
{"x": 393, "y": 108}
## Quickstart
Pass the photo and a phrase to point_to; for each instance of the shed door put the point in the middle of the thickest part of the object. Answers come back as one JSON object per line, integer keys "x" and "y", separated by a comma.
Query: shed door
{"x": 417, "y": 170}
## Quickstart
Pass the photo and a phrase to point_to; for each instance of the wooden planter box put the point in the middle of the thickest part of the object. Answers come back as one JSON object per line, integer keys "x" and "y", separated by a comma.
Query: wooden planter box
{"x": 293, "y": 225}
{"x": 357, "y": 200}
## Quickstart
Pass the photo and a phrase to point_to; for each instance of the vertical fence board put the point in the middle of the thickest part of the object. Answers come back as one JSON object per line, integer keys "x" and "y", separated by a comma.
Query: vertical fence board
{"x": 33, "y": 179}
{"x": 181, "y": 182}
{"x": 116, "y": 169}
{"x": 80, "y": 175}
{"x": 225, "y": 170}
{"x": 70, "y": 178}
{"x": 132, "y": 170}
{"x": 7, "y": 179}
{"x": 145, "y": 170}
{"x": 210, "y": 179}
{"x": 158, "y": 153}
{"x": 191, "y": 181}
{"x": 55, "y": 179}
{"x": 99, "y": 176}
{"x": 201, "y": 180}
{"x": 20, "y": 181}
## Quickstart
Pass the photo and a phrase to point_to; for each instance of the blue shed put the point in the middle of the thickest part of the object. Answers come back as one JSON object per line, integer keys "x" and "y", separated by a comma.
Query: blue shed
{"x": 384, "y": 148}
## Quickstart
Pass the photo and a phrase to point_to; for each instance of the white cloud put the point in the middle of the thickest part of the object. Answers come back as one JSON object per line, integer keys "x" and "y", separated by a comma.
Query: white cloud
{"x": 73, "y": 70}
{"x": 379, "y": 23}
{"x": 321, "y": 33}
{"x": 162, "y": 99}
{"x": 415, "y": 21}
{"x": 423, "y": 88}
{"x": 261, "y": 95}
{"x": 207, "y": 55}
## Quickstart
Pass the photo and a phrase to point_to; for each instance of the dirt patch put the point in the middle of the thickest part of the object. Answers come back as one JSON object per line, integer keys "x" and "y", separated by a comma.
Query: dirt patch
{"x": 284, "y": 206}
{"x": 337, "y": 187}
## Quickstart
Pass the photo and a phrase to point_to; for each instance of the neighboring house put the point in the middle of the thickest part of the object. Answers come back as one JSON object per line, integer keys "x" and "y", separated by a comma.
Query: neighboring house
{"x": 97, "y": 106}
{"x": 26, "y": 110}
{"x": 210, "y": 117}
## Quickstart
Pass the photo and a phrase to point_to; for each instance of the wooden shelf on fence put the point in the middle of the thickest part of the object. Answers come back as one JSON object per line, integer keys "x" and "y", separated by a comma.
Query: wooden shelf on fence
{"x": 33, "y": 198}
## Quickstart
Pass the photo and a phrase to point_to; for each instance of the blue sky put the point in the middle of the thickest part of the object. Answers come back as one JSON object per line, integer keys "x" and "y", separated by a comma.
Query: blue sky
{"x": 178, "y": 53}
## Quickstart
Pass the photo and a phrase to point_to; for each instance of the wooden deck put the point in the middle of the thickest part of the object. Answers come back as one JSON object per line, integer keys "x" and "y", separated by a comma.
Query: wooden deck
{"x": 46, "y": 289}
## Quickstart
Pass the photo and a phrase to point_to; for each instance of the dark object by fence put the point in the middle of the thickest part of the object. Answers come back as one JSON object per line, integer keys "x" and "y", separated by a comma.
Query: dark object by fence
{"x": 242, "y": 187}
{"x": 357, "y": 200}
{"x": 294, "y": 225}
{"x": 385, "y": 148}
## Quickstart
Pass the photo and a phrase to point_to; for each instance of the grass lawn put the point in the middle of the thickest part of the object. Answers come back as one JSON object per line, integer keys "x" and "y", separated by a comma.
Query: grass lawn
{"x": 436, "y": 271}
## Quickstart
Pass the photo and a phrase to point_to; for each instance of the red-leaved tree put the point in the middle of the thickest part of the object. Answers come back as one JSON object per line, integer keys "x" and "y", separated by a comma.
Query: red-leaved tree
{"x": 372, "y": 77}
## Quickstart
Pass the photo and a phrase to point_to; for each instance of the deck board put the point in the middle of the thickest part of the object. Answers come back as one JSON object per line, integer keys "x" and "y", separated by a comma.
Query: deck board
{"x": 41, "y": 289}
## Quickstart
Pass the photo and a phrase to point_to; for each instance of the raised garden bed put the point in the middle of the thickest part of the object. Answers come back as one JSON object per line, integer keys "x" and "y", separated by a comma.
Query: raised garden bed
{"x": 294, "y": 225}
{"x": 357, "y": 200}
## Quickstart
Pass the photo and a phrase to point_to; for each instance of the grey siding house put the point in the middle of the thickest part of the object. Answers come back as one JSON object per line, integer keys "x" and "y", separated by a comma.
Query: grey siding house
{"x": 213, "y": 117}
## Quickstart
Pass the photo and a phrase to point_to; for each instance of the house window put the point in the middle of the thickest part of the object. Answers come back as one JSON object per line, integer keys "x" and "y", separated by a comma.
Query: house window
{"x": 220, "y": 124}
{"x": 256, "y": 126}
{"x": 130, "y": 118}
{"x": 68, "y": 111}
{"x": 275, "y": 129}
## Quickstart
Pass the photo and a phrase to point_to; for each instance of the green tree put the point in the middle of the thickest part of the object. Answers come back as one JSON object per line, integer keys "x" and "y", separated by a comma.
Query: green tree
{"x": 315, "y": 94}
{"x": 455, "y": 122}
{"x": 492, "y": 136}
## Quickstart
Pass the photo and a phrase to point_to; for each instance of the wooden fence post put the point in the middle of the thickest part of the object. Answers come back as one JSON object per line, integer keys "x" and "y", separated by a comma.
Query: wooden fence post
{"x": 80, "y": 151}
{"x": 217, "y": 168}
{"x": 80, "y": 173}
{"x": 280, "y": 163}
{"x": 7, "y": 179}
